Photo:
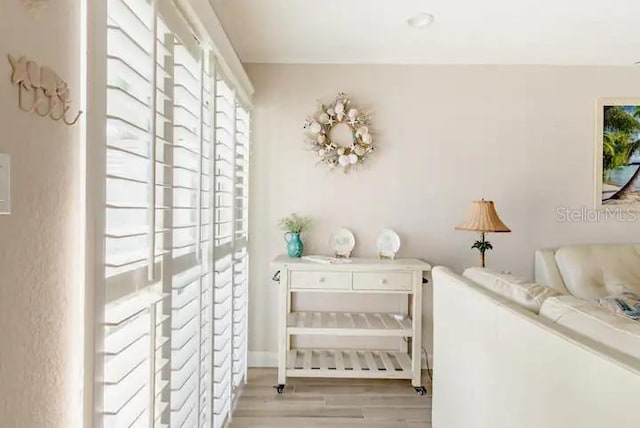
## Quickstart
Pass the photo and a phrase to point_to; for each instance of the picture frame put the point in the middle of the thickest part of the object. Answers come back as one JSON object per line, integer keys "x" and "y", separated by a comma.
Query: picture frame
{"x": 617, "y": 154}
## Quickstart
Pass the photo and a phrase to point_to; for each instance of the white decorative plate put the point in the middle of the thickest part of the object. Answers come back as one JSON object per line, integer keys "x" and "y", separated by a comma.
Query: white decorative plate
{"x": 342, "y": 242}
{"x": 388, "y": 243}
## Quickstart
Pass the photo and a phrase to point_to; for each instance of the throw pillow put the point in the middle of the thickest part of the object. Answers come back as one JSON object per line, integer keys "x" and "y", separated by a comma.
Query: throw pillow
{"x": 626, "y": 304}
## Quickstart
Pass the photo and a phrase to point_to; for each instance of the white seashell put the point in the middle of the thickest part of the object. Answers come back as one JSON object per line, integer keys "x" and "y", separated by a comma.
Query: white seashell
{"x": 353, "y": 113}
{"x": 321, "y": 139}
{"x": 353, "y": 159}
{"x": 323, "y": 118}
{"x": 340, "y": 116}
{"x": 339, "y": 108}
{"x": 315, "y": 128}
{"x": 363, "y": 130}
{"x": 360, "y": 151}
{"x": 321, "y": 152}
{"x": 344, "y": 160}
{"x": 341, "y": 151}
{"x": 331, "y": 111}
{"x": 367, "y": 139}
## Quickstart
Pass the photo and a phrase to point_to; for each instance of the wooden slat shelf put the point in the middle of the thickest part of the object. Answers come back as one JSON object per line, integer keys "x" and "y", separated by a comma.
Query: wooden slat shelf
{"x": 346, "y": 363}
{"x": 349, "y": 324}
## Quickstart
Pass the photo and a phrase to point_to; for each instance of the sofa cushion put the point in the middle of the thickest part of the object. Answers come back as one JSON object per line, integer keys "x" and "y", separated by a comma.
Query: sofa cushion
{"x": 594, "y": 322}
{"x": 517, "y": 290}
{"x": 593, "y": 271}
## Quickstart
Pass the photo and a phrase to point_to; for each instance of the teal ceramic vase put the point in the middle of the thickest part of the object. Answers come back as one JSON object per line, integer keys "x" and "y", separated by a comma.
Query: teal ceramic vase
{"x": 294, "y": 244}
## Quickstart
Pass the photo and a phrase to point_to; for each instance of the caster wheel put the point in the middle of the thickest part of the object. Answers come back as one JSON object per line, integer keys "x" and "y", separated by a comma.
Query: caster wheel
{"x": 421, "y": 390}
{"x": 279, "y": 388}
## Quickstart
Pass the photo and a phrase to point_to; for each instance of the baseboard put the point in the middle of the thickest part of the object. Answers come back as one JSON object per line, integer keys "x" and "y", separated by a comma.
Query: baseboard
{"x": 263, "y": 359}
{"x": 270, "y": 359}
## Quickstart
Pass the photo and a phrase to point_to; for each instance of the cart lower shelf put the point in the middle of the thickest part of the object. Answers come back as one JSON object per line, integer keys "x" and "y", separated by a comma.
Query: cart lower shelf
{"x": 349, "y": 324}
{"x": 349, "y": 364}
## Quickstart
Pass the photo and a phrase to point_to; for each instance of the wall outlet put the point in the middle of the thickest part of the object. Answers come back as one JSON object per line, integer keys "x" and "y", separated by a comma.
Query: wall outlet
{"x": 5, "y": 184}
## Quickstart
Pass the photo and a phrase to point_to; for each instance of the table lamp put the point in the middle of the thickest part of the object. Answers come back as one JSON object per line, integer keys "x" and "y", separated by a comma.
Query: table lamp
{"x": 483, "y": 218}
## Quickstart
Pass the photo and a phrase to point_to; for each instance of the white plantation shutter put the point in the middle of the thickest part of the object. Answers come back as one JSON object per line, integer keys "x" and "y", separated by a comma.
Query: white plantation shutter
{"x": 134, "y": 320}
{"x": 187, "y": 267}
{"x": 129, "y": 394}
{"x": 241, "y": 230}
{"x": 224, "y": 165}
{"x": 243, "y": 126}
{"x": 240, "y": 317}
{"x": 222, "y": 341}
{"x": 165, "y": 44}
{"x": 129, "y": 158}
{"x": 173, "y": 318}
{"x": 223, "y": 233}
{"x": 206, "y": 255}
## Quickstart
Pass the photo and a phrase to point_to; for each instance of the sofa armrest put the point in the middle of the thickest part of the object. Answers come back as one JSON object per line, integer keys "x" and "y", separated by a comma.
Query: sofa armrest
{"x": 546, "y": 271}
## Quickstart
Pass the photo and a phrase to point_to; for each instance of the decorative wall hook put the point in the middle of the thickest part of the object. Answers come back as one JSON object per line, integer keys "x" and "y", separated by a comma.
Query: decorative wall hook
{"x": 34, "y": 103}
{"x": 73, "y": 122}
{"x": 45, "y": 85}
{"x": 64, "y": 112}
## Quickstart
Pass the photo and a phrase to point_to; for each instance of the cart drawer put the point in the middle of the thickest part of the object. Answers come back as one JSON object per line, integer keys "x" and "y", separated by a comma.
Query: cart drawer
{"x": 319, "y": 280}
{"x": 382, "y": 281}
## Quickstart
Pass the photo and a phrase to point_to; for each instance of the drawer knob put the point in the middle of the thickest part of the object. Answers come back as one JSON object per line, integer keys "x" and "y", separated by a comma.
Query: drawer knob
{"x": 383, "y": 281}
{"x": 321, "y": 279}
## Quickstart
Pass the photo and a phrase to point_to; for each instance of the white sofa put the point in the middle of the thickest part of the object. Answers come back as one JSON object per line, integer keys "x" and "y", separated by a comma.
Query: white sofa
{"x": 503, "y": 357}
{"x": 589, "y": 271}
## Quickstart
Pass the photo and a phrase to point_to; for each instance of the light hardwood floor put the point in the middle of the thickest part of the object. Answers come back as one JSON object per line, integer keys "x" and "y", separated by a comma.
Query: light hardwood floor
{"x": 336, "y": 403}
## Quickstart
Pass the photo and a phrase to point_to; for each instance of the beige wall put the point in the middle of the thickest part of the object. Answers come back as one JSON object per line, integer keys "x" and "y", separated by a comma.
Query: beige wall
{"x": 39, "y": 299}
{"x": 445, "y": 135}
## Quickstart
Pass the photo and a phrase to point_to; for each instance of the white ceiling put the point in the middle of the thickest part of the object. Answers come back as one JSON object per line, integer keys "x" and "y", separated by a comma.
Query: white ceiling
{"x": 464, "y": 31}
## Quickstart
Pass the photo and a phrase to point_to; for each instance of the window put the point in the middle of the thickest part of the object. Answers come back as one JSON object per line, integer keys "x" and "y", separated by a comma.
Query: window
{"x": 172, "y": 299}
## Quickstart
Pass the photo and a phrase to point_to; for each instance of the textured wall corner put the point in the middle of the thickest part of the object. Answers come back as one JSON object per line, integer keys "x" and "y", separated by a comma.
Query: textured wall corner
{"x": 39, "y": 292}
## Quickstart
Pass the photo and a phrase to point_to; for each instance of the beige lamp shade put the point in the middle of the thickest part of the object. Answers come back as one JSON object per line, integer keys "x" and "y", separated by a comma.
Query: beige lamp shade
{"x": 483, "y": 218}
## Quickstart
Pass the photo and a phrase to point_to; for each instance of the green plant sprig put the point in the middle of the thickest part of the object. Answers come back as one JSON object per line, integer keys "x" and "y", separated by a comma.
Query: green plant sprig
{"x": 482, "y": 246}
{"x": 295, "y": 223}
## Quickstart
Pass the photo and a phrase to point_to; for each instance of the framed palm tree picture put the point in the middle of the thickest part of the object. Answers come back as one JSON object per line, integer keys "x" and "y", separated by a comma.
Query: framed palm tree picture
{"x": 618, "y": 153}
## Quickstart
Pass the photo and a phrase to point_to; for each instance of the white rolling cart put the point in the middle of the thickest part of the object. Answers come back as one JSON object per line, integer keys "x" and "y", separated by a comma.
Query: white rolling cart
{"x": 360, "y": 276}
